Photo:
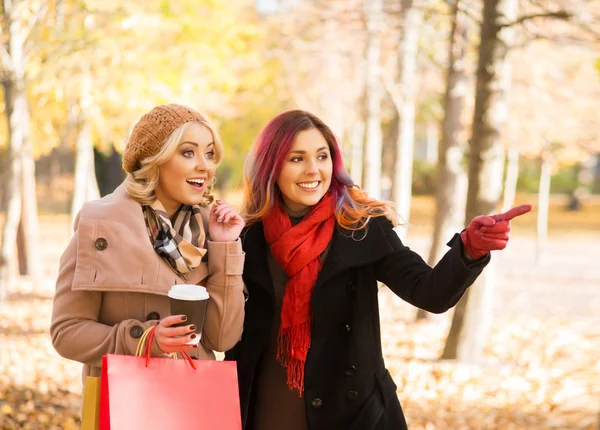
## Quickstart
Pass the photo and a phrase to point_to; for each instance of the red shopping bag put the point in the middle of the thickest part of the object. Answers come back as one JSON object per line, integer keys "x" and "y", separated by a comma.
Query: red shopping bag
{"x": 162, "y": 393}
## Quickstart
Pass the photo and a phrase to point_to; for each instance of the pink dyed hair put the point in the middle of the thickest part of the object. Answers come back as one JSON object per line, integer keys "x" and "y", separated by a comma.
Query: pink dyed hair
{"x": 265, "y": 161}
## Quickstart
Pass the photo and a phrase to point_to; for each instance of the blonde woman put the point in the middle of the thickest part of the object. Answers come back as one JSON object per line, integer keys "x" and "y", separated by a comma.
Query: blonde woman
{"x": 159, "y": 228}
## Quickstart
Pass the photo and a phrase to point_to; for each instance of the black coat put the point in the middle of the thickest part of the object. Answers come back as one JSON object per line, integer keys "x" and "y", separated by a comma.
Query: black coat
{"x": 347, "y": 386}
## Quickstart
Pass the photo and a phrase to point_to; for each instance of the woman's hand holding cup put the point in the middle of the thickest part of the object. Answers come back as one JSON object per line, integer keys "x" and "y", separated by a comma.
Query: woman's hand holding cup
{"x": 174, "y": 339}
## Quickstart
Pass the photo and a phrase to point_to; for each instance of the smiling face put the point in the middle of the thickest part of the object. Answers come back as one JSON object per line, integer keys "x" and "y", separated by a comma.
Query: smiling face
{"x": 183, "y": 179}
{"x": 305, "y": 176}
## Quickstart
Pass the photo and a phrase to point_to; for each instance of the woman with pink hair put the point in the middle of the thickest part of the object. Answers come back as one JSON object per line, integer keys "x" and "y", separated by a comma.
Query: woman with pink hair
{"x": 316, "y": 246}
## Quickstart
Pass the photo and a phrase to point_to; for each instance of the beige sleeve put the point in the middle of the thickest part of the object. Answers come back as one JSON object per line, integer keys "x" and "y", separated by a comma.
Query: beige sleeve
{"x": 74, "y": 328}
{"x": 225, "y": 310}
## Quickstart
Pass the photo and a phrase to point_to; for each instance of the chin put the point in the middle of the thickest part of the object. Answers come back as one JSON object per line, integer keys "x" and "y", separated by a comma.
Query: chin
{"x": 312, "y": 201}
{"x": 190, "y": 201}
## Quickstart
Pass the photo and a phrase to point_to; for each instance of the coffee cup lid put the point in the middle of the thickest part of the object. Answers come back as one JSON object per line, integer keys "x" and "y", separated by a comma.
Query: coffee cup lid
{"x": 188, "y": 292}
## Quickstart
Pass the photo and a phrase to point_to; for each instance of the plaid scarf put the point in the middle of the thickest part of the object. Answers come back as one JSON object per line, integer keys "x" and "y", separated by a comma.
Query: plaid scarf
{"x": 181, "y": 244}
{"x": 298, "y": 250}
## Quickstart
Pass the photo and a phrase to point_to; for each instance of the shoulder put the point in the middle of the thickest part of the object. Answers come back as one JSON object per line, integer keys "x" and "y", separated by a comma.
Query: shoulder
{"x": 372, "y": 228}
{"x": 381, "y": 222}
{"x": 383, "y": 229}
{"x": 377, "y": 238}
{"x": 117, "y": 206}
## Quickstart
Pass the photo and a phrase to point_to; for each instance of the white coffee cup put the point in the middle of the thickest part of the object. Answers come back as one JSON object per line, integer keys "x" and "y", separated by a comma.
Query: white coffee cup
{"x": 191, "y": 301}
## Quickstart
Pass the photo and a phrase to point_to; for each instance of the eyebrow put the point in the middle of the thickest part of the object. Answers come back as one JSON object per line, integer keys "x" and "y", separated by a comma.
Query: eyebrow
{"x": 195, "y": 144}
{"x": 304, "y": 152}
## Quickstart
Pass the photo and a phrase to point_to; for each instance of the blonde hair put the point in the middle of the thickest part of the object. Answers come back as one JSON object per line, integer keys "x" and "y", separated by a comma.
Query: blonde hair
{"x": 142, "y": 183}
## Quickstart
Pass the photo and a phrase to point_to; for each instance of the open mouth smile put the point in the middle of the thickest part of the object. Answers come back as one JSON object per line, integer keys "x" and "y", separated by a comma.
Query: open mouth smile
{"x": 309, "y": 186}
{"x": 197, "y": 184}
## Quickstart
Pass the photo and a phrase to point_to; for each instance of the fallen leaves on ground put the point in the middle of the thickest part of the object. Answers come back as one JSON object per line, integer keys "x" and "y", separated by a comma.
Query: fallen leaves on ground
{"x": 538, "y": 373}
{"x": 541, "y": 368}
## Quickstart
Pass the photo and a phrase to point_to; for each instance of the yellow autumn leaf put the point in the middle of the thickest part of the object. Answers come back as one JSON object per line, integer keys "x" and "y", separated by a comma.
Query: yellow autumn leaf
{"x": 6, "y": 409}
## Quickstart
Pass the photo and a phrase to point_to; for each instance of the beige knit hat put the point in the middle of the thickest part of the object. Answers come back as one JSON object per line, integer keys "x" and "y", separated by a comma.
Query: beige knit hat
{"x": 152, "y": 129}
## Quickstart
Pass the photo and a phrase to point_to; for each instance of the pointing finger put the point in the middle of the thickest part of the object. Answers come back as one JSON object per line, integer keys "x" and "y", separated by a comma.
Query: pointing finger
{"x": 512, "y": 213}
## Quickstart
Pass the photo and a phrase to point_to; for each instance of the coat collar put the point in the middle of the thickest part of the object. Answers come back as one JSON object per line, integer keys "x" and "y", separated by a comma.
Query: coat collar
{"x": 348, "y": 249}
{"x": 120, "y": 207}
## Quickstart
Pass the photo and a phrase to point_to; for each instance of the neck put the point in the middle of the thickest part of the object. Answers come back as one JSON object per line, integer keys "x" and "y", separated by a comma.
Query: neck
{"x": 170, "y": 209}
{"x": 296, "y": 213}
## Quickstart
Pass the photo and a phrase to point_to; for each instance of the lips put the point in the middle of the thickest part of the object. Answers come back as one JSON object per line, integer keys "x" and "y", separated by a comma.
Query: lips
{"x": 309, "y": 185}
{"x": 196, "y": 183}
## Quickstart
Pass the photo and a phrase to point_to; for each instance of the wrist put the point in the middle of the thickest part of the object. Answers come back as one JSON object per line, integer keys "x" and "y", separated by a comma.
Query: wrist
{"x": 158, "y": 345}
{"x": 468, "y": 256}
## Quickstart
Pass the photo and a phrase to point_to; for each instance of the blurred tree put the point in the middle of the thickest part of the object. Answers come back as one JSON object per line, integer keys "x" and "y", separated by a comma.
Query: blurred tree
{"x": 193, "y": 53}
{"x": 260, "y": 96}
{"x": 91, "y": 68}
{"x": 472, "y": 314}
{"x": 320, "y": 45}
{"x": 373, "y": 11}
{"x": 86, "y": 185}
{"x": 405, "y": 101}
{"x": 452, "y": 180}
{"x": 556, "y": 122}
{"x": 20, "y": 20}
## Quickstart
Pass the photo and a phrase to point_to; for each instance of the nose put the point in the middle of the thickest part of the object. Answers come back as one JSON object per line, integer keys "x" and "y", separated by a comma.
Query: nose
{"x": 311, "y": 167}
{"x": 201, "y": 163}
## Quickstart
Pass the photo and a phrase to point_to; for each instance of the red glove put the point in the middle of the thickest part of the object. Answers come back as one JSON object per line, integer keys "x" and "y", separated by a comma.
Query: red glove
{"x": 489, "y": 233}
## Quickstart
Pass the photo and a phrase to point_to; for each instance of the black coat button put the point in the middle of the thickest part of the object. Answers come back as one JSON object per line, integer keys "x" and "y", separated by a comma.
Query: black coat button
{"x": 101, "y": 244}
{"x": 316, "y": 403}
{"x": 136, "y": 331}
{"x": 351, "y": 287}
{"x": 352, "y": 395}
{"x": 350, "y": 371}
{"x": 153, "y": 316}
{"x": 347, "y": 328}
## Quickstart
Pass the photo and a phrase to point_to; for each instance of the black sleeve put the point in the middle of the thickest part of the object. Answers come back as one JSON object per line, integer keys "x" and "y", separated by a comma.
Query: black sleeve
{"x": 410, "y": 277}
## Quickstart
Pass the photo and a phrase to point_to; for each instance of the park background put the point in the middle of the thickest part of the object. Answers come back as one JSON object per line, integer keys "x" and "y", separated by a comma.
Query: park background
{"x": 449, "y": 108}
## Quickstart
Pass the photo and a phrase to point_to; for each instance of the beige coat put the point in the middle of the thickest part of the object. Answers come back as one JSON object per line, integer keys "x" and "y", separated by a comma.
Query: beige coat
{"x": 112, "y": 285}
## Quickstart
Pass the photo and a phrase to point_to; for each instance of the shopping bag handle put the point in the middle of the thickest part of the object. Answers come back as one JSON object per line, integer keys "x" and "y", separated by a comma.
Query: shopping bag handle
{"x": 144, "y": 347}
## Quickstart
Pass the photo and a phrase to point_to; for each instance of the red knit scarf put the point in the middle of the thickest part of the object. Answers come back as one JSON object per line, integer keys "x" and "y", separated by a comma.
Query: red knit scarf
{"x": 297, "y": 249}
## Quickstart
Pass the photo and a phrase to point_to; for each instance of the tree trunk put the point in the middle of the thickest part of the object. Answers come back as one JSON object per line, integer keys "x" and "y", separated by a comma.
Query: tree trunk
{"x": 388, "y": 163}
{"x": 452, "y": 180}
{"x": 407, "y": 58}
{"x": 357, "y": 139}
{"x": 512, "y": 176}
{"x": 432, "y": 142}
{"x": 543, "y": 207}
{"x": 21, "y": 251}
{"x": 13, "y": 198}
{"x": 21, "y": 196}
{"x": 86, "y": 186}
{"x": 29, "y": 209}
{"x": 373, "y": 10}
{"x": 332, "y": 67}
{"x": 467, "y": 334}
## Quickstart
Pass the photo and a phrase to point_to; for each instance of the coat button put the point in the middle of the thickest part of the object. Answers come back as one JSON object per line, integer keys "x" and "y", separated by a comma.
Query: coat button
{"x": 153, "y": 316}
{"x": 352, "y": 395}
{"x": 350, "y": 370}
{"x": 316, "y": 403}
{"x": 136, "y": 331}
{"x": 351, "y": 287}
{"x": 101, "y": 244}
{"x": 347, "y": 328}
